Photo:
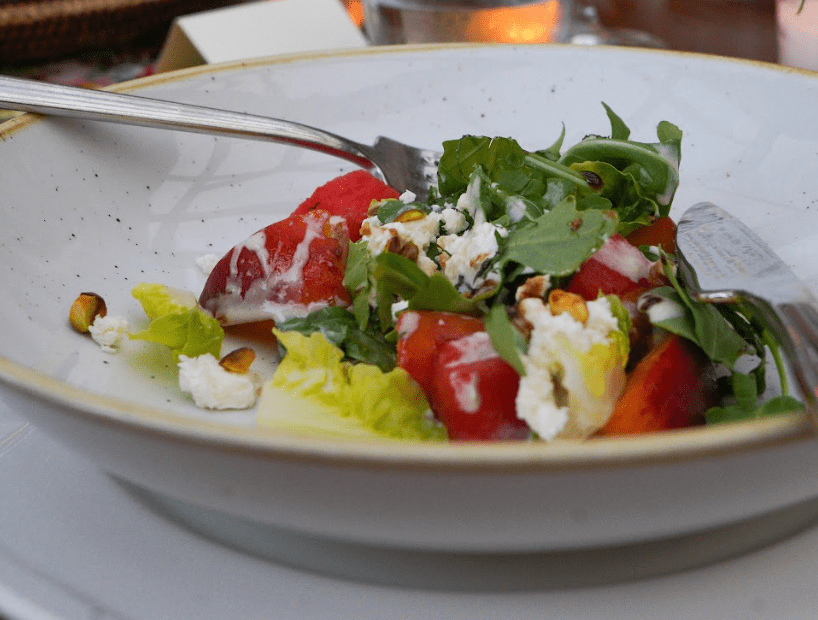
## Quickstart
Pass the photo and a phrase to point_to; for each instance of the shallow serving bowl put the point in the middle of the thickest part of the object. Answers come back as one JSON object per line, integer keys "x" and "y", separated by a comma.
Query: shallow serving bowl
{"x": 92, "y": 207}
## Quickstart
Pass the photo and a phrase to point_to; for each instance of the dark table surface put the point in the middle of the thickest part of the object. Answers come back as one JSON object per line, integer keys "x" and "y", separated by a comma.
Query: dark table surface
{"x": 739, "y": 28}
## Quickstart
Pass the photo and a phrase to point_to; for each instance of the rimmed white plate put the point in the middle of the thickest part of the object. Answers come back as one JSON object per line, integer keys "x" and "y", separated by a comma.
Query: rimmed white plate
{"x": 74, "y": 546}
{"x": 99, "y": 207}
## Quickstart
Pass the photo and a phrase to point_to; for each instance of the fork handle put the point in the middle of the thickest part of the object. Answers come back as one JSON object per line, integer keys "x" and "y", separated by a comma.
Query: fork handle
{"x": 795, "y": 325}
{"x": 54, "y": 99}
{"x": 801, "y": 322}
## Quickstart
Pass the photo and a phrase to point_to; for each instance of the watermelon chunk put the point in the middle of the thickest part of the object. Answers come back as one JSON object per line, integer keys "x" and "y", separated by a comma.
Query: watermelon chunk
{"x": 349, "y": 197}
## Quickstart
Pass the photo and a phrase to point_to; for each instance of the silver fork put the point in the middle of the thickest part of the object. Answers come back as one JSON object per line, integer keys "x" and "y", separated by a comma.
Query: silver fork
{"x": 399, "y": 165}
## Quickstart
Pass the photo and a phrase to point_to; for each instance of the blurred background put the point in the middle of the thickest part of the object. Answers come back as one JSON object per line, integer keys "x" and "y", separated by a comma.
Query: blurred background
{"x": 99, "y": 42}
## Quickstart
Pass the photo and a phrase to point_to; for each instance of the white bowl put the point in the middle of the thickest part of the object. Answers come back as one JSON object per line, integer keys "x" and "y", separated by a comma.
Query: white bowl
{"x": 100, "y": 207}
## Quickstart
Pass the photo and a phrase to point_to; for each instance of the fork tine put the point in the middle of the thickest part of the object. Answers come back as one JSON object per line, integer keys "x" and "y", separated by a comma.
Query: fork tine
{"x": 406, "y": 167}
{"x": 801, "y": 323}
{"x": 806, "y": 317}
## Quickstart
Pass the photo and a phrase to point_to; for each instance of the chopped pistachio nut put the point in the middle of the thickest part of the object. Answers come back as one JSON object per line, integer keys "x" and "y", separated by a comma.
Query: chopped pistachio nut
{"x": 238, "y": 361}
{"x": 85, "y": 309}
{"x": 560, "y": 301}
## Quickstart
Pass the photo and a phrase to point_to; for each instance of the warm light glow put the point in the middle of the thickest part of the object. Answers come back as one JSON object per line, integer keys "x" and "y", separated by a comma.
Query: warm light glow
{"x": 535, "y": 23}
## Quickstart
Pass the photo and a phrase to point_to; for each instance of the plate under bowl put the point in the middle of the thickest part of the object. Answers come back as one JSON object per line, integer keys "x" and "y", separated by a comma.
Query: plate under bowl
{"x": 89, "y": 206}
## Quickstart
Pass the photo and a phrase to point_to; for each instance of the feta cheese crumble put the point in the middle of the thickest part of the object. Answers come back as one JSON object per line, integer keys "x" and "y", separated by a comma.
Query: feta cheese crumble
{"x": 575, "y": 371}
{"x": 411, "y": 238}
{"x": 108, "y": 332}
{"x": 465, "y": 257}
{"x": 207, "y": 263}
{"x": 213, "y": 387}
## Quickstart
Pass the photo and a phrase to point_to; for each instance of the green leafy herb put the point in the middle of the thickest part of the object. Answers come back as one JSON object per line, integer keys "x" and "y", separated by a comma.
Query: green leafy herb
{"x": 654, "y": 167}
{"x": 506, "y": 339}
{"x": 340, "y": 327}
{"x": 398, "y": 277}
{"x": 559, "y": 241}
{"x": 726, "y": 334}
{"x": 359, "y": 280}
{"x": 775, "y": 406}
{"x": 390, "y": 210}
{"x": 702, "y": 324}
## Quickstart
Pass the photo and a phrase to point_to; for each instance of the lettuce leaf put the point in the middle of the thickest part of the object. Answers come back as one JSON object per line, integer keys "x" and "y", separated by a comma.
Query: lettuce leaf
{"x": 313, "y": 390}
{"x": 177, "y": 322}
{"x": 341, "y": 328}
{"x": 158, "y": 300}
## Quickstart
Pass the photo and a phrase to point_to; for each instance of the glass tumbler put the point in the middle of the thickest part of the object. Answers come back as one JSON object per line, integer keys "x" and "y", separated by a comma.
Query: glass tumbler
{"x": 798, "y": 33}
{"x": 388, "y": 22}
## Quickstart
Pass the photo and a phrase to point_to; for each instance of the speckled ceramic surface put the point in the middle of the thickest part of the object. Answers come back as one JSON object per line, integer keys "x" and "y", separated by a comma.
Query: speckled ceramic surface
{"x": 102, "y": 208}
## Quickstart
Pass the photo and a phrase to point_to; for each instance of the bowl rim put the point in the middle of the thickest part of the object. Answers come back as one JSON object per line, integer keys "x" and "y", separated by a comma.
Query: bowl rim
{"x": 664, "y": 447}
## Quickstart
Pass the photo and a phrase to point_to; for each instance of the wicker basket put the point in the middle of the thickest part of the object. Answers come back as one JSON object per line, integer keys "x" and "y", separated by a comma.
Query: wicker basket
{"x": 38, "y": 30}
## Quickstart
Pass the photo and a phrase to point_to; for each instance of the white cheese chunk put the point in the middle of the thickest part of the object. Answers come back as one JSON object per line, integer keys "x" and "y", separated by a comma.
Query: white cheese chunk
{"x": 207, "y": 263}
{"x": 569, "y": 390}
{"x": 108, "y": 332}
{"x": 464, "y": 257}
{"x": 213, "y": 387}
{"x": 421, "y": 232}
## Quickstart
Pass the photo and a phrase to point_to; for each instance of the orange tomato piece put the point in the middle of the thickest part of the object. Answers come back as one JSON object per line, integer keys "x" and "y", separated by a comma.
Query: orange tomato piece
{"x": 671, "y": 387}
{"x": 661, "y": 233}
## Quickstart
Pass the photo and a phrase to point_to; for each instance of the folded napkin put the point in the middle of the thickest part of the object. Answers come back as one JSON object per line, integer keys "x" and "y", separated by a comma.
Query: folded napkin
{"x": 257, "y": 29}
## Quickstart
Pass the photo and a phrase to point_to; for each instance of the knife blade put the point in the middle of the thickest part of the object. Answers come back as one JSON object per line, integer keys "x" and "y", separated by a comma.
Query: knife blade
{"x": 727, "y": 255}
{"x": 722, "y": 260}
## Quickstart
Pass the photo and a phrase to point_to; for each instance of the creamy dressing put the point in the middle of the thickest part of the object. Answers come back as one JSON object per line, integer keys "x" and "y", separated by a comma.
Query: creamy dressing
{"x": 623, "y": 258}
{"x": 472, "y": 348}
{"x": 465, "y": 391}
{"x": 408, "y": 325}
{"x": 269, "y": 296}
{"x": 669, "y": 155}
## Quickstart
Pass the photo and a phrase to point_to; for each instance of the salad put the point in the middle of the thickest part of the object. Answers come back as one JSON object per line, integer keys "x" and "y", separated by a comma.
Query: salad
{"x": 532, "y": 295}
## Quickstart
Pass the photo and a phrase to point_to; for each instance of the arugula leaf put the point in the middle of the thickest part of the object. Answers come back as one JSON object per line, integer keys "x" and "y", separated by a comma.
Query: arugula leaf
{"x": 553, "y": 151}
{"x": 440, "y": 294}
{"x": 507, "y": 340}
{"x": 622, "y": 192}
{"x": 619, "y": 130}
{"x": 461, "y": 157}
{"x": 655, "y": 167}
{"x": 359, "y": 281}
{"x": 397, "y": 276}
{"x": 736, "y": 413}
{"x": 559, "y": 241}
{"x": 638, "y": 180}
{"x": 502, "y": 205}
{"x": 702, "y": 324}
{"x": 340, "y": 327}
